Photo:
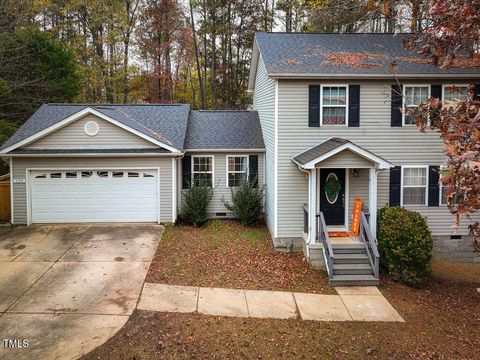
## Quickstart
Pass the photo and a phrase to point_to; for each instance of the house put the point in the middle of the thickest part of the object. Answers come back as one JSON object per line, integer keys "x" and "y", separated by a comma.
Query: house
{"x": 326, "y": 133}
{"x": 127, "y": 163}
{"x": 329, "y": 107}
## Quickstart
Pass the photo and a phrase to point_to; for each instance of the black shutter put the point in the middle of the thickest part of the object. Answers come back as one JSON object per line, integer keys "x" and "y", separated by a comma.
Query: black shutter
{"x": 186, "y": 172}
{"x": 314, "y": 106}
{"x": 476, "y": 92}
{"x": 433, "y": 185}
{"x": 354, "y": 106}
{"x": 436, "y": 92}
{"x": 253, "y": 168}
{"x": 396, "y": 113}
{"x": 395, "y": 183}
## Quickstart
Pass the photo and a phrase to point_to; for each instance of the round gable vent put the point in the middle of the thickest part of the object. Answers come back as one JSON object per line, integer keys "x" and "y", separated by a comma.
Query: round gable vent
{"x": 91, "y": 128}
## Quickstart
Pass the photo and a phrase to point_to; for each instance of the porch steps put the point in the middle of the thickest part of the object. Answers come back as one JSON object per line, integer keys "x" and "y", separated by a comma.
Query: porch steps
{"x": 351, "y": 266}
{"x": 352, "y": 269}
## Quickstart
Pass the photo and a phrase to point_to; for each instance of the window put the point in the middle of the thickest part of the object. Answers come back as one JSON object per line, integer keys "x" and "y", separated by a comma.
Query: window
{"x": 453, "y": 93}
{"x": 413, "y": 95}
{"x": 87, "y": 174}
{"x": 133, "y": 174}
{"x": 237, "y": 170}
{"x": 55, "y": 175}
{"x": 334, "y": 105}
{"x": 443, "y": 192}
{"x": 202, "y": 170}
{"x": 117, "y": 174}
{"x": 102, "y": 174}
{"x": 147, "y": 175}
{"x": 71, "y": 175}
{"x": 43, "y": 176}
{"x": 414, "y": 185}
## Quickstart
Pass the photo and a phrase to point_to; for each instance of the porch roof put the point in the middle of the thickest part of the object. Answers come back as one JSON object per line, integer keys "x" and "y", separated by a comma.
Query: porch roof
{"x": 311, "y": 157}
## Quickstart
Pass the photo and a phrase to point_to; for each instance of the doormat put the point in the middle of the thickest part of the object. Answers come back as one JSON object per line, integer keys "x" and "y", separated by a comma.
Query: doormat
{"x": 338, "y": 234}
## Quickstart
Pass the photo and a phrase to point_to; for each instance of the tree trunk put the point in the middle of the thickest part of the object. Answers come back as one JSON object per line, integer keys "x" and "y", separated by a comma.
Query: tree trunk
{"x": 197, "y": 59}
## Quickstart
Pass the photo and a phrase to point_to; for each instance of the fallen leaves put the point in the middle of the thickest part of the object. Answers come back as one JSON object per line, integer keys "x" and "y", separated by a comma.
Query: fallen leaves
{"x": 227, "y": 254}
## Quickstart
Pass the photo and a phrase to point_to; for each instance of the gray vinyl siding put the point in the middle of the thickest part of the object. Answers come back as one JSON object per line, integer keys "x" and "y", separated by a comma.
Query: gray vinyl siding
{"x": 264, "y": 103}
{"x": 400, "y": 146}
{"x": 221, "y": 189}
{"x": 73, "y": 136}
{"x": 20, "y": 165}
{"x": 358, "y": 187}
{"x": 346, "y": 159}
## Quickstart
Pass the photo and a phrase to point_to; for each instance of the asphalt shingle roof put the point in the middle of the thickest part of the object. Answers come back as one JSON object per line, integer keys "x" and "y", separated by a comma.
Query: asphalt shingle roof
{"x": 164, "y": 123}
{"x": 322, "y": 149}
{"x": 224, "y": 129}
{"x": 333, "y": 54}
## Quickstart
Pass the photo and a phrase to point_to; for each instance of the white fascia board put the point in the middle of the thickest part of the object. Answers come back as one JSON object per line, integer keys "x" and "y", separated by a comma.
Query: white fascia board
{"x": 77, "y": 116}
{"x": 371, "y": 76}
{"x": 224, "y": 150}
{"x": 381, "y": 163}
{"x": 104, "y": 155}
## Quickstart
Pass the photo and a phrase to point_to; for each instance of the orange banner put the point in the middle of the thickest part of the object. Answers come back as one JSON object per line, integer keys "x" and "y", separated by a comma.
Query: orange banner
{"x": 357, "y": 210}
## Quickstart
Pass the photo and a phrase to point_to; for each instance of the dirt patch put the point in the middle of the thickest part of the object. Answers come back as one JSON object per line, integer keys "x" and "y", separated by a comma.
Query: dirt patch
{"x": 227, "y": 254}
{"x": 119, "y": 258}
{"x": 442, "y": 321}
{"x": 448, "y": 270}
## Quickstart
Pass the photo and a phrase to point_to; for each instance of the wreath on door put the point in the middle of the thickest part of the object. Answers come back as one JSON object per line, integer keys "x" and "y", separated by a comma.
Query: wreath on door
{"x": 332, "y": 188}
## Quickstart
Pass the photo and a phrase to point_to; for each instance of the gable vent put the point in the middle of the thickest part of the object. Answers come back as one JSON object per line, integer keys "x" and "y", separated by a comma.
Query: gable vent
{"x": 91, "y": 128}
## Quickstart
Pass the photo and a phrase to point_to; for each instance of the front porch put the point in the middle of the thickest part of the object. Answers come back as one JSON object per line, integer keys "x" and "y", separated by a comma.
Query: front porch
{"x": 340, "y": 216}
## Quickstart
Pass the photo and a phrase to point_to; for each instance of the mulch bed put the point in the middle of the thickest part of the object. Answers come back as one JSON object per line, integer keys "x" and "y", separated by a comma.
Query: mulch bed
{"x": 227, "y": 254}
{"x": 442, "y": 322}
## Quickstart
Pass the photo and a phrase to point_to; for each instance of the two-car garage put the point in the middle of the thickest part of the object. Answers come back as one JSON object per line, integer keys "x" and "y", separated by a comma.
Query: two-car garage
{"x": 94, "y": 195}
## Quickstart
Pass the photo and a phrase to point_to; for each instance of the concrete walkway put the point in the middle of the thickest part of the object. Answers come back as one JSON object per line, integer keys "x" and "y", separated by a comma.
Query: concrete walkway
{"x": 351, "y": 303}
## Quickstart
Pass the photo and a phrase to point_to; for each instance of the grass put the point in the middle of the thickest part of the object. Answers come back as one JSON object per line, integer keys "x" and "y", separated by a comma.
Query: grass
{"x": 228, "y": 254}
{"x": 442, "y": 322}
{"x": 5, "y": 230}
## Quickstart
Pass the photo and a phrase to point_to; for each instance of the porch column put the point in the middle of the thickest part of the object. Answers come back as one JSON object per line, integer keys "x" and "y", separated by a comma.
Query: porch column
{"x": 312, "y": 206}
{"x": 372, "y": 201}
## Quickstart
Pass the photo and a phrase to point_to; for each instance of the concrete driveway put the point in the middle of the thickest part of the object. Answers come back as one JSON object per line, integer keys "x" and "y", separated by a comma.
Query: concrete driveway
{"x": 66, "y": 289}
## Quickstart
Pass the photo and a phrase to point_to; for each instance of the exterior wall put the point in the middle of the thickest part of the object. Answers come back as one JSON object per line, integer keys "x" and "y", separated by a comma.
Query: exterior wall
{"x": 346, "y": 159}
{"x": 73, "y": 136}
{"x": 264, "y": 103}
{"x": 20, "y": 165}
{"x": 399, "y": 145}
{"x": 221, "y": 190}
{"x": 457, "y": 250}
{"x": 358, "y": 187}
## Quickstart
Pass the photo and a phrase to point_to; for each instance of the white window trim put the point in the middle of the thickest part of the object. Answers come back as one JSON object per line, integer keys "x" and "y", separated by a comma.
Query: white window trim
{"x": 440, "y": 186}
{"x": 404, "y": 105}
{"x": 346, "y": 103}
{"x": 207, "y": 172}
{"x": 445, "y": 86}
{"x": 426, "y": 184}
{"x": 235, "y": 172}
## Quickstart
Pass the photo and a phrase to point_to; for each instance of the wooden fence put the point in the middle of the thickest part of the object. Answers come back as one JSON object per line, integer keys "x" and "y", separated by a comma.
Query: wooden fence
{"x": 4, "y": 201}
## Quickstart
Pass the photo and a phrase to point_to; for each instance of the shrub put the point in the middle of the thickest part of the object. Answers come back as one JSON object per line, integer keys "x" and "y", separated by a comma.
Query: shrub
{"x": 247, "y": 202}
{"x": 195, "y": 203}
{"x": 405, "y": 245}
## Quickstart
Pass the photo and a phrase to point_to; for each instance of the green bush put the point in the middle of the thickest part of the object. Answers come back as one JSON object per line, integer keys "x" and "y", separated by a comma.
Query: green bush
{"x": 247, "y": 202}
{"x": 405, "y": 245}
{"x": 195, "y": 203}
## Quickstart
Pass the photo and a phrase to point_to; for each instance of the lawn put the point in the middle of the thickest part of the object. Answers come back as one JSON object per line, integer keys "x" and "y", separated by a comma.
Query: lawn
{"x": 442, "y": 322}
{"x": 227, "y": 254}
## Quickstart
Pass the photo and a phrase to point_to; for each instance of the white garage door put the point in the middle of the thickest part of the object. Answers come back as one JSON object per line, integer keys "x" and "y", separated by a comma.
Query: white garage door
{"x": 94, "y": 196}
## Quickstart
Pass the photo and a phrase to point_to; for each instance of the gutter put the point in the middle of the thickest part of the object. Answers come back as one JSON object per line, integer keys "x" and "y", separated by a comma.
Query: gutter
{"x": 425, "y": 77}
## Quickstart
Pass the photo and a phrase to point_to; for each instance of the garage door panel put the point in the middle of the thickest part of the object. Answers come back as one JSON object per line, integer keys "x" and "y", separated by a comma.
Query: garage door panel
{"x": 94, "y": 196}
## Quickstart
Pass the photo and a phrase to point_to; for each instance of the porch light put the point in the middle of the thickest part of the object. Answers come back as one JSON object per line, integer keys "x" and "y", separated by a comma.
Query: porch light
{"x": 355, "y": 173}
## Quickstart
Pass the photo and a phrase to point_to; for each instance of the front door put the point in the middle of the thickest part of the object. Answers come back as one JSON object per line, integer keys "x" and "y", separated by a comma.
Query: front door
{"x": 332, "y": 196}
